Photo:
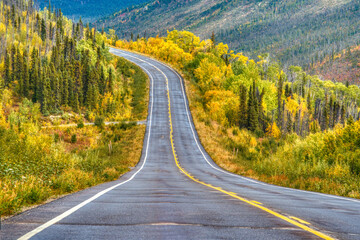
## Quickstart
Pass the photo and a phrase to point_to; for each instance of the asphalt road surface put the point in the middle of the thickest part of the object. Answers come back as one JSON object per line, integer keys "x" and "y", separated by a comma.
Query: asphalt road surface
{"x": 177, "y": 192}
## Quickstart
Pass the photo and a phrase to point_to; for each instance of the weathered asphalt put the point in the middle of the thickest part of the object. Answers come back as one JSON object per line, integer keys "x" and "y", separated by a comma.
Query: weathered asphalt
{"x": 161, "y": 202}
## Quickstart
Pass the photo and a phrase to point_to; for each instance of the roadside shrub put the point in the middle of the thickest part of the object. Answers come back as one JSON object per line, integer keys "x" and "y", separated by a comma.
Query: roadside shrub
{"x": 110, "y": 174}
{"x": 125, "y": 125}
{"x": 99, "y": 122}
{"x": 56, "y": 137}
{"x": 73, "y": 138}
{"x": 81, "y": 124}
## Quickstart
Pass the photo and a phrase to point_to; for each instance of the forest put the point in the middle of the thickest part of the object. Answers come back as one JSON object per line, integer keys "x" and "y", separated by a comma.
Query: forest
{"x": 298, "y": 32}
{"x": 57, "y": 78}
{"x": 88, "y": 10}
{"x": 254, "y": 118}
{"x": 44, "y": 63}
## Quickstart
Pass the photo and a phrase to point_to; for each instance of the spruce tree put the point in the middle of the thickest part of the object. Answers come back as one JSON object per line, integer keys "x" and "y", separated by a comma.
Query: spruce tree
{"x": 46, "y": 91}
{"x": 331, "y": 112}
{"x": 13, "y": 63}
{"x": 43, "y": 30}
{"x": 287, "y": 91}
{"x": 19, "y": 71}
{"x": 213, "y": 40}
{"x": 7, "y": 71}
{"x": 26, "y": 79}
{"x": 57, "y": 93}
{"x": 65, "y": 89}
{"x": 343, "y": 113}
{"x": 308, "y": 101}
{"x": 78, "y": 82}
{"x": 111, "y": 81}
{"x": 242, "y": 107}
{"x": 325, "y": 115}
{"x": 262, "y": 120}
{"x": 76, "y": 104}
{"x": 33, "y": 76}
{"x": 102, "y": 81}
{"x": 289, "y": 123}
{"x": 279, "y": 100}
{"x": 303, "y": 83}
{"x": 252, "y": 114}
{"x": 296, "y": 123}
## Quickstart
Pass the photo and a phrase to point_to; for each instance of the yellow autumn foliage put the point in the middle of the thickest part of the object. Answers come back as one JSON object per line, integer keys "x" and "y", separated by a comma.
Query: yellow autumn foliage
{"x": 273, "y": 131}
{"x": 222, "y": 106}
{"x": 210, "y": 75}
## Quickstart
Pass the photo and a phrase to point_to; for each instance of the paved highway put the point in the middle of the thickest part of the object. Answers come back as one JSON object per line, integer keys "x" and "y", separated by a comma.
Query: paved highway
{"x": 177, "y": 192}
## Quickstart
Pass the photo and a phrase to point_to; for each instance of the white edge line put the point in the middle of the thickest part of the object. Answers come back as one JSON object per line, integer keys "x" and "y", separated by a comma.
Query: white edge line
{"x": 204, "y": 156}
{"x": 77, "y": 207}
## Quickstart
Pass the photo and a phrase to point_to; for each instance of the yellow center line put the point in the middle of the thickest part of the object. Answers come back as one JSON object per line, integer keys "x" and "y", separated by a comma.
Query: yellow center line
{"x": 252, "y": 203}
{"x": 300, "y": 220}
{"x": 259, "y": 203}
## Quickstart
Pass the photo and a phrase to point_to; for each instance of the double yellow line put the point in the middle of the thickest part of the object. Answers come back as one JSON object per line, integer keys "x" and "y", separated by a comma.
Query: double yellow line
{"x": 299, "y": 223}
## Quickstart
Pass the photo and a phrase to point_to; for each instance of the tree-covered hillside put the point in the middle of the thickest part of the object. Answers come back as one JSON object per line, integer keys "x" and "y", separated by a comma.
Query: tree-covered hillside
{"x": 294, "y": 32}
{"x": 89, "y": 10}
{"x": 57, "y": 77}
{"x": 60, "y": 64}
{"x": 343, "y": 66}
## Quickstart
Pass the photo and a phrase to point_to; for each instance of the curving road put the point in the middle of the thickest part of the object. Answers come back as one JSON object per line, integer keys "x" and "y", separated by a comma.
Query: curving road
{"x": 177, "y": 192}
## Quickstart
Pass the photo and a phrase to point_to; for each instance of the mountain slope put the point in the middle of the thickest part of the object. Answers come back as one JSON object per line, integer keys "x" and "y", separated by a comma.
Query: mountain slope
{"x": 340, "y": 67}
{"x": 296, "y": 32}
{"x": 89, "y": 10}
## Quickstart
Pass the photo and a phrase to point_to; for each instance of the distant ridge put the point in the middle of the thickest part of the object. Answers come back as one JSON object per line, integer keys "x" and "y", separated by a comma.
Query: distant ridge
{"x": 89, "y": 10}
{"x": 295, "y": 32}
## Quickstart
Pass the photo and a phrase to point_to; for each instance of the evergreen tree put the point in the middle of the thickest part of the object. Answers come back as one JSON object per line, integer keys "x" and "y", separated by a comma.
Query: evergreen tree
{"x": 308, "y": 101}
{"x": 46, "y": 91}
{"x": 7, "y": 71}
{"x": 279, "y": 101}
{"x": 26, "y": 78}
{"x": 102, "y": 81}
{"x": 243, "y": 108}
{"x": 325, "y": 115}
{"x": 76, "y": 105}
{"x": 303, "y": 83}
{"x": 287, "y": 91}
{"x": 343, "y": 112}
{"x": 111, "y": 81}
{"x": 43, "y": 30}
{"x": 262, "y": 120}
{"x": 18, "y": 70}
{"x": 296, "y": 123}
{"x": 331, "y": 112}
{"x": 289, "y": 123}
{"x": 78, "y": 82}
{"x": 252, "y": 114}
{"x": 213, "y": 40}
{"x": 33, "y": 75}
{"x": 57, "y": 93}
{"x": 13, "y": 63}
{"x": 65, "y": 89}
